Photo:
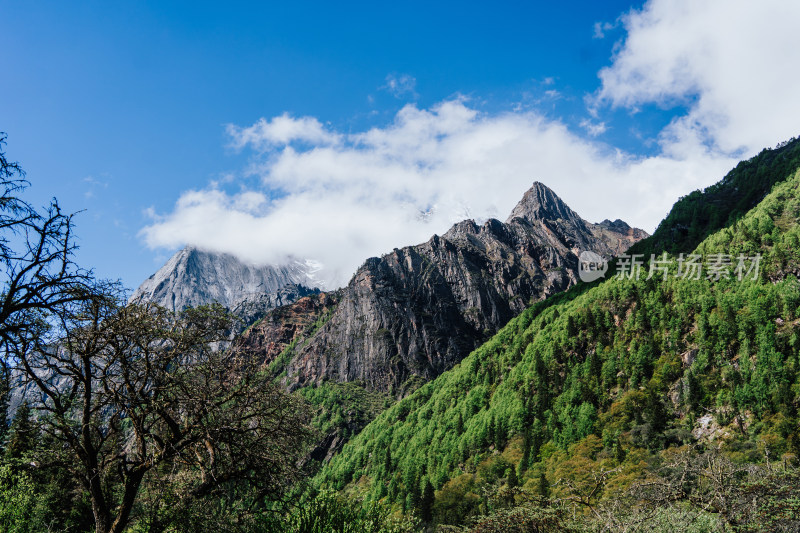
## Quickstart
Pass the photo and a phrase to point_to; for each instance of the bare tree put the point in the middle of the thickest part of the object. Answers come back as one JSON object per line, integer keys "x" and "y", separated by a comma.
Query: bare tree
{"x": 132, "y": 396}
{"x": 741, "y": 496}
{"x": 135, "y": 395}
{"x": 38, "y": 273}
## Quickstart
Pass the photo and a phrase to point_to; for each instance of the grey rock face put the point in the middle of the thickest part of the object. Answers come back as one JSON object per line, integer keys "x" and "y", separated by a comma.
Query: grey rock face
{"x": 541, "y": 203}
{"x": 617, "y": 235}
{"x": 195, "y": 277}
{"x": 417, "y": 311}
{"x": 254, "y": 308}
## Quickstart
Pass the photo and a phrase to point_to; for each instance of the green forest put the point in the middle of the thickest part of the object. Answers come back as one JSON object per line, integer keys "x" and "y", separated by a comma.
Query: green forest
{"x": 590, "y": 396}
{"x": 656, "y": 399}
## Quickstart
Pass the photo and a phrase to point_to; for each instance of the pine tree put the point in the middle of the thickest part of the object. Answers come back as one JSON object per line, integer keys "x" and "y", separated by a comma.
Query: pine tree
{"x": 526, "y": 450}
{"x": 4, "y": 396}
{"x": 21, "y": 434}
{"x": 544, "y": 486}
{"x": 491, "y": 431}
{"x": 387, "y": 463}
{"x": 655, "y": 412}
{"x": 426, "y": 502}
{"x": 572, "y": 327}
{"x": 414, "y": 496}
{"x": 512, "y": 481}
{"x": 499, "y": 435}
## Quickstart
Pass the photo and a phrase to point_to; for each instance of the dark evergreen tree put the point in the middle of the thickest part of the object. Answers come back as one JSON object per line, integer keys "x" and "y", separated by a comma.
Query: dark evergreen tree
{"x": 21, "y": 435}
{"x": 544, "y": 486}
{"x": 499, "y": 435}
{"x": 491, "y": 432}
{"x": 512, "y": 479}
{"x": 426, "y": 502}
{"x": 4, "y": 397}
{"x": 387, "y": 462}
{"x": 526, "y": 451}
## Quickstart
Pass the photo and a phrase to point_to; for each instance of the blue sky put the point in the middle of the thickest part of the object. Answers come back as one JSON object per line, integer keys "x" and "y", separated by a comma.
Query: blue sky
{"x": 148, "y": 117}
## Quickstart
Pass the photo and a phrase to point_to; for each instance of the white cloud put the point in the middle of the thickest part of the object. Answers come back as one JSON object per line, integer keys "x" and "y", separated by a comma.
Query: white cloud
{"x": 343, "y": 197}
{"x": 92, "y": 186}
{"x": 364, "y": 195}
{"x": 400, "y": 85}
{"x": 732, "y": 62}
{"x": 593, "y": 128}
{"x": 600, "y": 29}
{"x": 281, "y": 130}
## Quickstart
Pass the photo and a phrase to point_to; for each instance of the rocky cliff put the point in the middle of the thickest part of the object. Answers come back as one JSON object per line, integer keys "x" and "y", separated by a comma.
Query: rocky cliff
{"x": 412, "y": 314}
{"x": 285, "y": 326}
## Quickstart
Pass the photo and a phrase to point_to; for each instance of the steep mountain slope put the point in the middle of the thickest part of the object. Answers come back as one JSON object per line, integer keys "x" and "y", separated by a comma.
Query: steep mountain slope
{"x": 278, "y": 332}
{"x": 701, "y": 213}
{"x": 412, "y": 314}
{"x": 194, "y": 277}
{"x": 589, "y": 392}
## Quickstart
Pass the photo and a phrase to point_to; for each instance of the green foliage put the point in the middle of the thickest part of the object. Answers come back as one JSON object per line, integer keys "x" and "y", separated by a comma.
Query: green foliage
{"x": 33, "y": 498}
{"x": 777, "y": 498}
{"x": 529, "y": 518}
{"x": 17, "y": 501}
{"x": 331, "y": 513}
{"x": 594, "y": 410}
{"x": 646, "y": 361}
{"x": 343, "y": 404}
{"x": 22, "y": 435}
{"x": 701, "y": 213}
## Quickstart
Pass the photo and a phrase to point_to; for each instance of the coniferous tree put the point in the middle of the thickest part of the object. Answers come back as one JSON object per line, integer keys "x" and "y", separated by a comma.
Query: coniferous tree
{"x": 426, "y": 502}
{"x": 491, "y": 432}
{"x": 414, "y": 496}
{"x": 526, "y": 451}
{"x": 544, "y": 486}
{"x": 21, "y": 434}
{"x": 512, "y": 480}
{"x": 499, "y": 435}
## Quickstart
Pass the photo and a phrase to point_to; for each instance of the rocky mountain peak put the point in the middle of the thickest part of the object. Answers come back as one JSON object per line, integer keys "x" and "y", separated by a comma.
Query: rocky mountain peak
{"x": 411, "y": 314}
{"x": 541, "y": 203}
{"x": 619, "y": 225}
{"x": 194, "y": 277}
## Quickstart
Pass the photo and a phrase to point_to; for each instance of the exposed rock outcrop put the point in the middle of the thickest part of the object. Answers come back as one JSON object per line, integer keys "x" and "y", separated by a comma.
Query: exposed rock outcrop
{"x": 286, "y": 325}
{"x": 417, "y": 311}
{"x": 254, "y": 308}
{"x": 617, "y": 235}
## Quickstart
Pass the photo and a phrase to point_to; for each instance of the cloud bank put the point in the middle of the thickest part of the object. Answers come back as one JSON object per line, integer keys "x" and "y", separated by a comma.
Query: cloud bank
{"x": 733, "y": 63}
{"x": 339, "y": 198}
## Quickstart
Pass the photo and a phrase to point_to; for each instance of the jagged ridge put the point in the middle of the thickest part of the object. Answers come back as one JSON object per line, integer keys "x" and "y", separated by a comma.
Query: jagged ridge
{"x": 415, "y": 312}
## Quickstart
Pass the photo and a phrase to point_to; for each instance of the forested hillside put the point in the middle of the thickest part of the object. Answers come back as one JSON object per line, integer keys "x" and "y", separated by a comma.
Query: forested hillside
{"x": 700, "y": 213}
{"x": 622, "y": 401}
{"x": 662, "y": 398}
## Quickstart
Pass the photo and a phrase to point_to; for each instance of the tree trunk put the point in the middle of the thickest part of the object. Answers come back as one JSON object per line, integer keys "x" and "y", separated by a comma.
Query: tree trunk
{"x": 102, "y": 516}
{"x": 132, "y": 483}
